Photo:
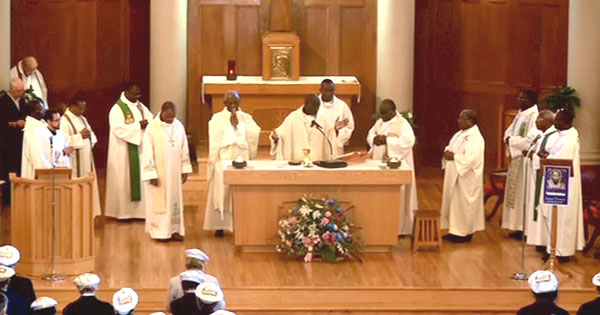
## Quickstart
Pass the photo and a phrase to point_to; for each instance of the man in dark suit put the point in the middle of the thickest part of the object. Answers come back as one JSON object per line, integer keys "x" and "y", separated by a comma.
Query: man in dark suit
{"x": 544, "y": 286}
{"x": 12, "y": 121}
{"x": 44, "y": 306}
{"x": 88, "y": 304}
{"x": 9, "y": 257}
{"x": 188, "y": 304}
{"x": 16, "y": 303}
{"x": 592, "y": 307}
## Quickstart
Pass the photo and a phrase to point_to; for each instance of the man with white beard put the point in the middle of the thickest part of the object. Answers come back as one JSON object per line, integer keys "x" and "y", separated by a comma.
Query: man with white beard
{"x": 392, "y": 137}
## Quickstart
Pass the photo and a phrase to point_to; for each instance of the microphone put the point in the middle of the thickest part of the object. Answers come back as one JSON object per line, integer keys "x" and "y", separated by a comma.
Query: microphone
{"x": 314, "y": 123}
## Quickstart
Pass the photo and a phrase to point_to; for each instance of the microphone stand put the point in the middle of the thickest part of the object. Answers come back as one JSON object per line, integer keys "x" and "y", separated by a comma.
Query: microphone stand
{"x": 316, "y": 125}
{"x": 331, "y": 163}
{"x": 53, "y": 276}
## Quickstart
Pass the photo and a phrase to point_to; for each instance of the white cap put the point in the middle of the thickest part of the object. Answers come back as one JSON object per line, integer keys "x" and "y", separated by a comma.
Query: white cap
{"x": 9, "y": 255}
{"x": 43, "y": 302}
{"x": 209, "y": 293}
{"x": 158, "y": 313}
{"x": 543, "y": 281}
{"x": 196, "y": 254}
{"x": 86, "y": 280}
{"x": 222, "y": 312}
{"x": 192, "y": 275}
{"x": 125, "y": 300}
{"x": 596, "y": 280}
{"x": 6, "y": 273}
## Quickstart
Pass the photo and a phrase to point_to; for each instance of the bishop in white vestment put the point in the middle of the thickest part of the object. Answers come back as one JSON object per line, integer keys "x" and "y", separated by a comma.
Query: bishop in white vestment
{"x": 303, "y": 130}
{"x": 535, "y": 229}
{"x": 570, "y": 218}
{"x": 44, "y": 145}
{"x": 336, "y": 113}
{"x": 232, "y": 134}
{"x": 27, "y": 71}
{"x": 392, "y": 137}
{"x": 128, "y": 119}
{"x": 518, "y": 138}
{"x": 82, "y": 138}
{"x": 166, "y": 165}
{"x": 462, "y": 199}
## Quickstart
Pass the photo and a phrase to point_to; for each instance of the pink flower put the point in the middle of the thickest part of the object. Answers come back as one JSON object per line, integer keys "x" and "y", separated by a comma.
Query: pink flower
{"x": 288, "y": 243}
{"x": 316, "y": 240}
{"x": 308, "y": 241}
{"x": 327, "y": 214}
{"x": 308, "y": 257}
{"x": 324, "y": 221}
{"x": 292, "y": 219}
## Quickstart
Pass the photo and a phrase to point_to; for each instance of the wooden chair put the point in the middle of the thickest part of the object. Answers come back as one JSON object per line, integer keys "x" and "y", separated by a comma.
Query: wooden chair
{"x": 590, "y": 186}
{"x": 426, "y": 230}
{"x": 494, "y": 186}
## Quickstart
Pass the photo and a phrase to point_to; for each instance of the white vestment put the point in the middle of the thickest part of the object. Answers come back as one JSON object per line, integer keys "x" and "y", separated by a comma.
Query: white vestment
{"x": 35, "y": 81}
{"x": 535, "y": 229}
{"x": 166, "y": 156}
{"x": 462, "y": 197}
{"x": 400, "y": 140}
{"x": 337, "y": 110}
{"x": 296, "y": 134}
{"x": 570, "y": 218}
{"x": 41, "y": 148}
{"x": 118, "y": 191}
{"x": 82, "y": 160}
{"x": 521, "y": 131}
{"x": 226, "y": 143}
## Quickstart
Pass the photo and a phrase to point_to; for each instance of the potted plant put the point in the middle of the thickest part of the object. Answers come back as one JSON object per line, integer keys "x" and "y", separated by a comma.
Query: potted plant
{"x": 562, "y": 98}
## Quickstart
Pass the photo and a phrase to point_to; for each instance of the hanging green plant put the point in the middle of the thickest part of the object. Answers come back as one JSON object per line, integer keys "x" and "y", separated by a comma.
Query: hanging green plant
{"x": 563, "y": 97}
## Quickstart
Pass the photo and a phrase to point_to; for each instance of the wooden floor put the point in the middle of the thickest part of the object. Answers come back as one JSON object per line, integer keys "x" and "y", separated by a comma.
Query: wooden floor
{"x": 469, "y": 278}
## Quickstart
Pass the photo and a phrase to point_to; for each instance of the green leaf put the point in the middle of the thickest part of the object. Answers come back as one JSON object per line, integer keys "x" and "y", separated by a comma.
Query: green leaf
{"x": 328, "y": 254}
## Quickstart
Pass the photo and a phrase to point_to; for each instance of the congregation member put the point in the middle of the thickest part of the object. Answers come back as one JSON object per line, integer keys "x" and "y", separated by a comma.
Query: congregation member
{"x": 336, "y": 113}
{"x": 165, "y": 165}
{"x": 535, "y": 226}
{"x": 9, "y": 257}
{"x": 518, "y": 137}
{"x": 232, "y": 133}
{"x": 392, "y": 136}
{"x": 3, "y": 304}
{"x": 12, "y": 121}
{"x": 44, "y": 145}
{"x": 303, "y": 130}
{"x": 188, "y": 304}
{"x": 27, "y": 70}
{"x": 210, "y": 298}
{"x": 128, "y": 119}
{"x": 195, "y": 260}
{"x": 592, "y": 307}
{"x": 570, "y": 218}
{"x": 544, "y": 286}
{"x": 125, "y": 300}
{"x": 16, "y": 303}
{"x": 75, "y": 127}
{"x": 462, "y": 195}
{"x": 44, "y": 306}
{"x": 87, "y": 285}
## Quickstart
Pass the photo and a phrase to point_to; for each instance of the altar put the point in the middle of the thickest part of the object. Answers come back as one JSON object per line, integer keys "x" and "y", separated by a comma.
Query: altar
{"x": 263, "y": 191}
{"x": 269, "y": 102}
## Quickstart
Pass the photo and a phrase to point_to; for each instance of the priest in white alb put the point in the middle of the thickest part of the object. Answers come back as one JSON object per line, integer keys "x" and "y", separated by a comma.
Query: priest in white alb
{"x": 392, "y": 136}
{"x": 547, "y": 136}
{"x": 82, "y": 138}
{"x": 302, "y": 131}
{"x": 166, "y": 165}
{"x": 128, "y": 119}
{"x": 462, "y": 196}
{"x": 27, "y": 70}
{"x": 336, "y": 113}
{"x": 44, "y": 145}
{"x": 518, "y": 138}
{"x": 570, "y": 218}
{"x": 232, "y": 134}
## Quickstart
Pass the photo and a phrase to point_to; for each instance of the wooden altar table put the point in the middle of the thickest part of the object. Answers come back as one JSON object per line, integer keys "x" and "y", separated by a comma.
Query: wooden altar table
{"x": 261, "y": 191}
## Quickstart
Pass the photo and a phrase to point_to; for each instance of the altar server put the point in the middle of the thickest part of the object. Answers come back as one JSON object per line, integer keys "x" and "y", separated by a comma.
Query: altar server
{"x": 336, "y": 113}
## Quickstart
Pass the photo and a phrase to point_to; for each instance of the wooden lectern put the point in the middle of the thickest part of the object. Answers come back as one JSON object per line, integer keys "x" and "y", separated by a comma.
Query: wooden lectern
{"x": 31, "y": 222}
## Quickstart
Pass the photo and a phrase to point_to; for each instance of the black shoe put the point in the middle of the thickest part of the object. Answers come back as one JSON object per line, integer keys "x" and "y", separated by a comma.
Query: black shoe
{"x": 219, "y": 233}
{"x": 463, "y": 239}
{"x": 540, "y": 249}
{"x": 177, "y": 237}
{"x": 516, "y": 235}
{"x": 545, "y": 257}
{"x": 449, "y": 237}
{"x": 562, "y": 259}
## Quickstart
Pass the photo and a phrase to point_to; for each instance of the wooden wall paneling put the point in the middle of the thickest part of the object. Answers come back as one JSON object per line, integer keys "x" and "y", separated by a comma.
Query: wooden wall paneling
{"x": 552, "y": 47}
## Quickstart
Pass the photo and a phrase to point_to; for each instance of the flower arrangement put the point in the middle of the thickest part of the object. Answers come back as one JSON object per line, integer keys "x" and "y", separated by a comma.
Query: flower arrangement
{"x": 319, "y": 227}
{"x": 562, "y": 98}
{"x": 30, "y": 96}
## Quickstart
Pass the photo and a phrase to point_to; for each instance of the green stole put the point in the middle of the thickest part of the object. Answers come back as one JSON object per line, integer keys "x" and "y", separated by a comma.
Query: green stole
{"x": 135, "y": 181}
{"x": 539, "y": 177}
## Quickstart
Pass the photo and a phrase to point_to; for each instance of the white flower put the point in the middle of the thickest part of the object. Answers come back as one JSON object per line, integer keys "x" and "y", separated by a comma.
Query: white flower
{"x": 316, "y": 215}
{"x": 409, "y": 115}
{"x": 304, "y": 211}
{"x": 318, "y": 206}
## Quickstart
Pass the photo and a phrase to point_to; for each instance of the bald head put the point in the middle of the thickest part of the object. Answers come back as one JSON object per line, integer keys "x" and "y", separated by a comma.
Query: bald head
{"x": 232, "y": 100}
{"x": 387, "y": 109}
{"x": 16, "y": 88}
{"x": 311, "y": 104}
{"x": 168, "y": 112}
{"x": 29, "y": 65}
{"x": 467, "y": 119}
{"x": 544, "y": 120}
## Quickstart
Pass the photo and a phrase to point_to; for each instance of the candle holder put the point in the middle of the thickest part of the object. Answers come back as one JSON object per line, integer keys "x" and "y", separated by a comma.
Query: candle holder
{"x": 231, "y": 70}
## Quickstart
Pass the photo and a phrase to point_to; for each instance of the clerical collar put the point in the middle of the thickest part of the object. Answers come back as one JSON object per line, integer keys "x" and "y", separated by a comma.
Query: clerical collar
{"x": 52, "y": 131}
